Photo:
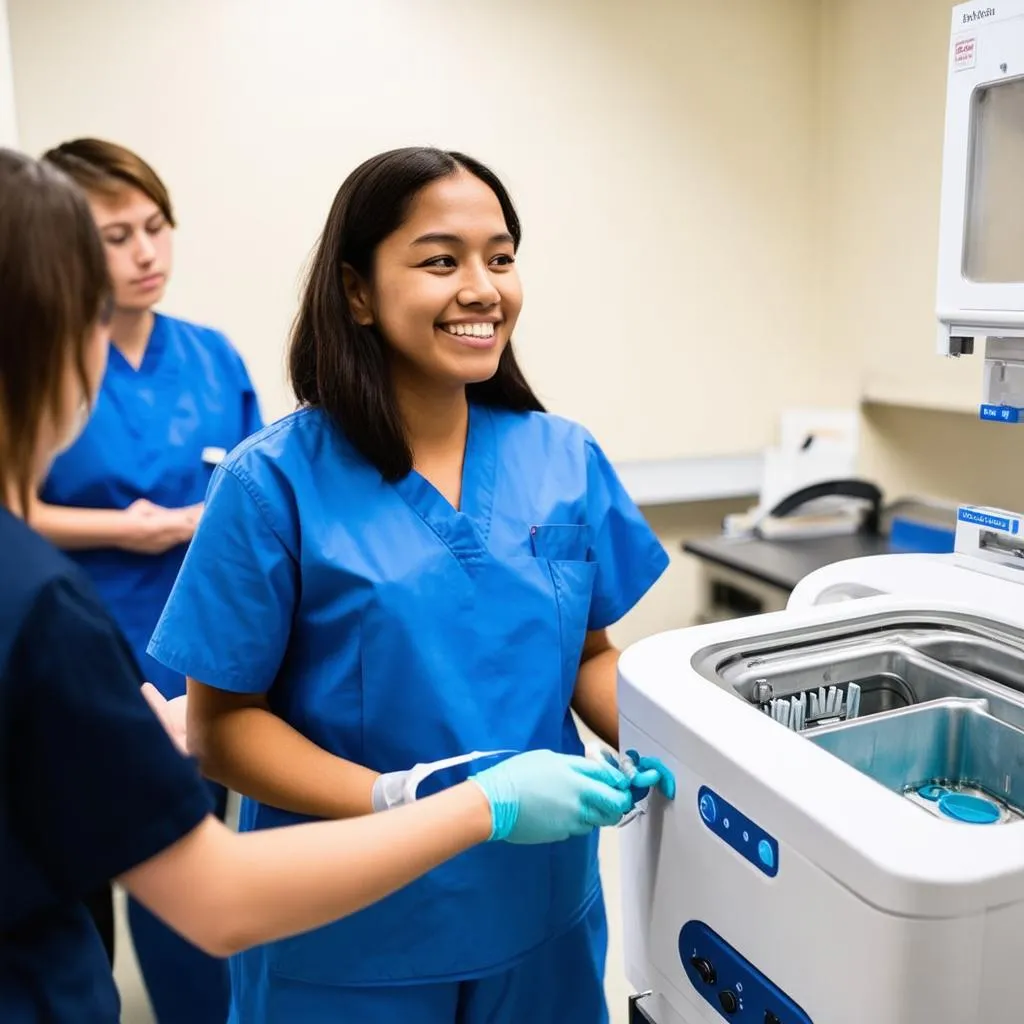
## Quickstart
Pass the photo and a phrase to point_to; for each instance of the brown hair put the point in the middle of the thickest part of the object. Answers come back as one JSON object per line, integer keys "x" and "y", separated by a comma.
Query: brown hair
{"x": 53, "y": 290}
{"x": 105, "y": 169}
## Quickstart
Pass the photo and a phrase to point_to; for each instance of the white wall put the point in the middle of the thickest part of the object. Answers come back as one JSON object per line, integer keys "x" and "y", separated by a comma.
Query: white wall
{"x": 662, "y": 154}
{"x": 8, "y": 122}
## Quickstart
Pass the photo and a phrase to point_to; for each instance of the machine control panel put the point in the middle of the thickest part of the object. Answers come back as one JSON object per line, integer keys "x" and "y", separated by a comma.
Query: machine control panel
{"x": 731, "y": 984}
{"x": 749, "y": 840}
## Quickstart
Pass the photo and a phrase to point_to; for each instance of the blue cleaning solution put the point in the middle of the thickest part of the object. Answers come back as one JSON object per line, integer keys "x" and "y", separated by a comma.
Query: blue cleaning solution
{"x": 962, "y": 803}
{"x": 973, "y": 809}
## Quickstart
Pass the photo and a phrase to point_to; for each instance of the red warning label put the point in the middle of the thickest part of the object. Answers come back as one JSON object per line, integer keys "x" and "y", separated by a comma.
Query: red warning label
{"x": 964, "y": 53}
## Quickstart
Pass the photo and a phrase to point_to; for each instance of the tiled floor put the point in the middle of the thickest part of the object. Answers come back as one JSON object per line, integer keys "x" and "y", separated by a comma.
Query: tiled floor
{"x": 136, "y": 1007}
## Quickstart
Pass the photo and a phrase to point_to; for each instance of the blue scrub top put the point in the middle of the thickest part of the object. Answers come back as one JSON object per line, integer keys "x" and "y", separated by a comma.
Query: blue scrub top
{"x": 390, "y": 629}
{"x": 90, "y": 785}
{"x": 156, "y": 433}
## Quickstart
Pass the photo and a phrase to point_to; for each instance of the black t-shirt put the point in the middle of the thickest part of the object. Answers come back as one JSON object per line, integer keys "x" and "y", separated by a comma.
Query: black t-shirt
{"x": 90, "y": 784}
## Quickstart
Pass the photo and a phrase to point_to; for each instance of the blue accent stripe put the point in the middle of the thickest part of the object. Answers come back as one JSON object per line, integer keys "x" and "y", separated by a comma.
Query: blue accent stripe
{"x": 908, "y": 535}
{"x": 749, "y": 840}
{"x": 729, "y": 983}
{"x": 1001, "y": 413}
{"x": 977, "y": 517}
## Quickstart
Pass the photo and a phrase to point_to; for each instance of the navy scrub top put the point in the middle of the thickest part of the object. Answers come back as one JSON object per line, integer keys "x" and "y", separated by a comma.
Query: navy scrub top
{"x": 90, "y": 784}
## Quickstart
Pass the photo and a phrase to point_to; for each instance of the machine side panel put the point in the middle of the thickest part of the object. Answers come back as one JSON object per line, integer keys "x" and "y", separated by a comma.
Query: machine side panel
{"x": 840, "y": 959}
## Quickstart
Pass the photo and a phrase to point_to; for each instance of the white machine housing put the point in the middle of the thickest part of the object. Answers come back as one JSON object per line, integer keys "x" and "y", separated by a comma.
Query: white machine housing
{"x": 878, "y": 912}
{"x": 980, "y": 293}
{"x": 786, "y": 884}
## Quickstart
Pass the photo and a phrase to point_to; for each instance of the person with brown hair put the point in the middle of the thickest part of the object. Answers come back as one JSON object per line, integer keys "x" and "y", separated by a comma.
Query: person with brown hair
{"x": 124, "y": 500}
{"x": 91, "y": 786}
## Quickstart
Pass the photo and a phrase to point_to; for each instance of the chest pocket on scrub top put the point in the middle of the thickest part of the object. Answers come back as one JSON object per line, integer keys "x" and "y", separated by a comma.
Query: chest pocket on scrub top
{"x": 565, "y": 548}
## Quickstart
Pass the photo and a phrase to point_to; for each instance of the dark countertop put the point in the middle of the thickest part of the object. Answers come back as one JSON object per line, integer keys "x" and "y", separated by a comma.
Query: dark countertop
{"x": 784, "y": 563}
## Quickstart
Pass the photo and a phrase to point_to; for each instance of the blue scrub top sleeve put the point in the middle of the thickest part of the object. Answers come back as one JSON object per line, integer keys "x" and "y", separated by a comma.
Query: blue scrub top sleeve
{"x": 629, "y": 556}
{"x": 97, "y": 784}
{"x": 228, "y": 619}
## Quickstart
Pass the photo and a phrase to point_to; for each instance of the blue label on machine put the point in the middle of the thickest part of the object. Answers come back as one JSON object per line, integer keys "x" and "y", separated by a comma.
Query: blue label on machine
{"x": 730, "y": 983}
{"x": 1001, "y": 413}
{"x": 749, "y": 840}
{"x": 979, "y": 517}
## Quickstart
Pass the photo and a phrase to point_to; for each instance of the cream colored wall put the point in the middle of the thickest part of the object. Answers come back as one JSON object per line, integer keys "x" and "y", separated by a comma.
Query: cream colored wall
{"x": 662, "y": 155}
{"x": 8, "y": 122}
{"x": 677, "y": 597}
{"x": 951, "y": 456}
{"x": 884, "y": 106}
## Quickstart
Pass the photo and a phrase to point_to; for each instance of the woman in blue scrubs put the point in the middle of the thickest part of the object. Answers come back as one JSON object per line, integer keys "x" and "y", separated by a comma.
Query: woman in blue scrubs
{"x": 124, "y": 500}
{"x": 418, "y": 564}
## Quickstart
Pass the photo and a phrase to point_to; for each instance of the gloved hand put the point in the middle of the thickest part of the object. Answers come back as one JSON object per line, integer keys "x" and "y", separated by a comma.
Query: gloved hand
{"x": 544, "y": 797}
{"x": 651, "y": 772}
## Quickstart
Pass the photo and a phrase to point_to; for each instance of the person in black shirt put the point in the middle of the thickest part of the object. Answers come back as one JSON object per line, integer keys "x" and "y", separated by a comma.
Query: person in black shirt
{"x": 92, "y": 787}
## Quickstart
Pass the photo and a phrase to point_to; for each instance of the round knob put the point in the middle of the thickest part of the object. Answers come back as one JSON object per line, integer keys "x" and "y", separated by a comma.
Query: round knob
{"x": 704, "y": 968}
{"x": 708, "y": 809}
{"x": 730, "y": 1004}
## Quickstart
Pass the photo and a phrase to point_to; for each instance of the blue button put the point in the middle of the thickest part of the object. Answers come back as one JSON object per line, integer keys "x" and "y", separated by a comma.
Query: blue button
{"x": 708, "y": 811}
{"x": 766, "y": 853}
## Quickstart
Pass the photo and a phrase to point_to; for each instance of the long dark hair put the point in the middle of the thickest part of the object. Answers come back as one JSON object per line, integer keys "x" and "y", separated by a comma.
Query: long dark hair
{"x": 343, "y": 367}
{"x": 53, "y": 290}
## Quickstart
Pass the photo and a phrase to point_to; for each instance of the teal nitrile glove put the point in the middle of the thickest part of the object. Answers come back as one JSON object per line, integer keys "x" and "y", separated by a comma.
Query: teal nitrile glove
{"x": 651, "y": 772}
{"x": 544, "y": 797}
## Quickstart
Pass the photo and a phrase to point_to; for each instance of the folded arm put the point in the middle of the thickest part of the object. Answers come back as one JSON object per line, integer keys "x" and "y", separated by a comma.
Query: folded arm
{"x": 142, "y": 527}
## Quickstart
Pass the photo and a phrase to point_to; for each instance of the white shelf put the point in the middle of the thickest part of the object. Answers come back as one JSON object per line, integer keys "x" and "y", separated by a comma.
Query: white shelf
{"x": 705, "y": 478}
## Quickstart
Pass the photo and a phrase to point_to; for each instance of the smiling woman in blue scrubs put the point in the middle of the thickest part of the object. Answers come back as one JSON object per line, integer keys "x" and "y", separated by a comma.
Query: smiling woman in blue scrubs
{"x": 417, "y": 564}
{"x": 124, "y": 500}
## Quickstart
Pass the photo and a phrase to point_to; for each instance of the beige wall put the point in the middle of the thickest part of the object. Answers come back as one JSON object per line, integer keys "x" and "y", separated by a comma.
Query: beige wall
{"x": 8, "y": 124}
{"x": 677, "y": 597}
{"x": 951, "y": 456}
{"x": 662, "y": 154}
{"x": 884, "y": 109}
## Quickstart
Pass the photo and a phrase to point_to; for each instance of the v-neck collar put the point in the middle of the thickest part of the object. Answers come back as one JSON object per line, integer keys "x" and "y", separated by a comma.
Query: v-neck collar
{"x": 479, "y": 465}
{"x": 152, "y": 357}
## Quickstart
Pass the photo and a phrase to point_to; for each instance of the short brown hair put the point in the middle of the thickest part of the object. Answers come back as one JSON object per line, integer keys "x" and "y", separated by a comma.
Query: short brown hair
{"x": 105, "y": 168}
{"x": 53, "y": 290}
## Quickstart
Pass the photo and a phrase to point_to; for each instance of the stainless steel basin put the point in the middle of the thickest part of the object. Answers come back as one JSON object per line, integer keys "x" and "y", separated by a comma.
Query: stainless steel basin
{"x": 896, "y": 665}
{"x": 947, "y": 747}
{"x": 938, "y": 713}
